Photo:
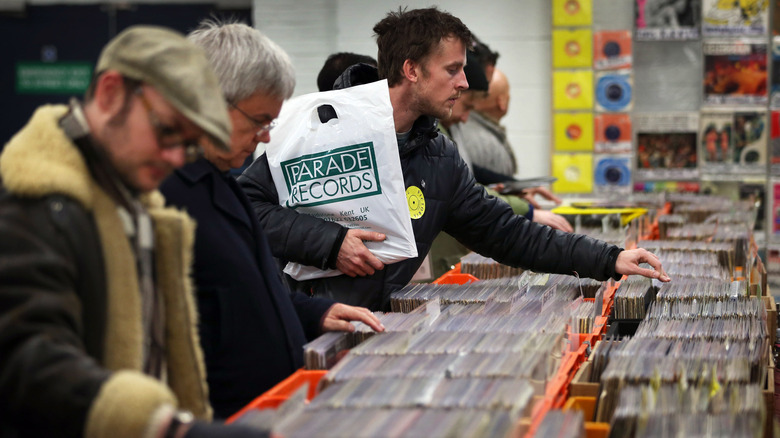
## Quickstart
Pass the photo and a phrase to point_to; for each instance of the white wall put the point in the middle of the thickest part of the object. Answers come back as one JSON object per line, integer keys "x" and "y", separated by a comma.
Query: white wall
{"x": 310, "y": 30}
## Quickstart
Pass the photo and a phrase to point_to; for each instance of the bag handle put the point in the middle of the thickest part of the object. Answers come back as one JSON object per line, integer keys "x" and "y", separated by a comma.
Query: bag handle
{"x": 324, "y": 114}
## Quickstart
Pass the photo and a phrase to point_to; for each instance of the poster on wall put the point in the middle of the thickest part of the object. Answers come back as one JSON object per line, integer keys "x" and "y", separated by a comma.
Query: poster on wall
{"x": 735, "y": 18}
{"x": 666, "y": 145}
{"x": 667, "y": 19}
{"x": 735, "y": 72}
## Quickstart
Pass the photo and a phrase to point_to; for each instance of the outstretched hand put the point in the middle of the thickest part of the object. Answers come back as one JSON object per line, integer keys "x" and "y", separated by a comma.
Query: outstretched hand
{"x": 338, "y": 318}
{"x": 628, "y": 264}
{"x": 530, "y": 194}
{"x": 556, "y": 221}
{"x": 354, "y": 259}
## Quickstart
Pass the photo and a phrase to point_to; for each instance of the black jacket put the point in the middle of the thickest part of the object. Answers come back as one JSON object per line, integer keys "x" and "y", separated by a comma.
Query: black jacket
{"x": 453, "y": 203}
{"x": 252, "y": 331}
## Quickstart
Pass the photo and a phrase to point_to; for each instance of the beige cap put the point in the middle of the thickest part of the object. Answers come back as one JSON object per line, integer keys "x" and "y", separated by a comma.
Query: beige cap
{"x": 177, "y": 69}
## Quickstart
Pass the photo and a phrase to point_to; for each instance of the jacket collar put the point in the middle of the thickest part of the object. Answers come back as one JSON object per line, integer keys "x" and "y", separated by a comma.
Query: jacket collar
{"x": 224, "y": 194}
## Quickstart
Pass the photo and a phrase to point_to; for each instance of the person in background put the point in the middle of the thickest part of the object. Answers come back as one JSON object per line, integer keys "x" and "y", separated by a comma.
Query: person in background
{"x": 446, "y": 251}
{"x": 422, "y": 53}
{"x": 252, "y": 329}
{"x": 97, "y": 327}
{"x": 336, "y": 64}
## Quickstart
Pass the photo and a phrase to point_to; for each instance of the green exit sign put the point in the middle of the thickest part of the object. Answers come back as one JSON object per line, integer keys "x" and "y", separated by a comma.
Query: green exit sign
{"x": 52, "y": 77}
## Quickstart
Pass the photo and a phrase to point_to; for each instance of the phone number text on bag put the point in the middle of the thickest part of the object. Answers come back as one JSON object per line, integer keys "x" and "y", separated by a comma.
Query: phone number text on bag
{"x": 340, "y": 174}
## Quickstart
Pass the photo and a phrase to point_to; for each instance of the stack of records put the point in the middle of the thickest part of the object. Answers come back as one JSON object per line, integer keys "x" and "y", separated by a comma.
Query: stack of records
{"x": 486, "y": 268}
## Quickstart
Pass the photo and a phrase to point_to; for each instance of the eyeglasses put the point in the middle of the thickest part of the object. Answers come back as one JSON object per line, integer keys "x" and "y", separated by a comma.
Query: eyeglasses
{"x": 169, "y": 137}
{"x": 262, "y": 127}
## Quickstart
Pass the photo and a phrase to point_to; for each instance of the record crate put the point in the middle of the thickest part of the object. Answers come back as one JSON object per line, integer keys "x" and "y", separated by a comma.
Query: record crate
{"x": 454, "y": 276}
{"x": 283, "y": 390}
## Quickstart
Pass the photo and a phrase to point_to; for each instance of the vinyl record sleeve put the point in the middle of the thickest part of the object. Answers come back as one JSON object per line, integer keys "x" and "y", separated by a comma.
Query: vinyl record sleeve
{"x": 735, "y": 18}
{"x": 612, "y": 50}
{"x": 612, "y": 132}
{"x": 574, "y": 173}
{"x": 666, "y": 145}
{"x": 572, "y": 48}
{"x": 573, "y": 90}
{"x": 735, "y": 72}
{"x": 662, "y": 20}
{"x": 716, "y": 150}
{"x": 572, "y": 12}
{"x": 573, "y": 131}
{"x": 614, "y": 91}
{"x": 774, "y": 142}
{"x": 612, "y": 173}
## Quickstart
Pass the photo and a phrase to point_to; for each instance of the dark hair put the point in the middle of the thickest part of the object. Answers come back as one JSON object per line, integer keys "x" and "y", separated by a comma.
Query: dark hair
{"x": 413, "y": 35}
{"x": 129, "y": 85}
{"x": 483, "y": 52}
{"x": 335, "y": 66}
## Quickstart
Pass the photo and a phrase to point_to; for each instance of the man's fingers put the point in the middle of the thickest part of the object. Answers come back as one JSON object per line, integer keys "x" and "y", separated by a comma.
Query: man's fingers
{"x": 341, "y": 326}
{"x": 653, "y": 260}
{"x": 548, "y": 195}
{"x": 370, "y": 319}
{"x": 369, "y": 235}
{"x": 531, "y": 200}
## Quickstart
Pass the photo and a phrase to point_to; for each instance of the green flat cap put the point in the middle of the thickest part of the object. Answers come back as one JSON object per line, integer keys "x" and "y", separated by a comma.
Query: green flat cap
{"x": 177, "y": 69}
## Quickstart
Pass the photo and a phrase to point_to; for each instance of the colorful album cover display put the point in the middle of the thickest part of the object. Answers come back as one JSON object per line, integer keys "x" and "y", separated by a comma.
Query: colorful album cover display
{"x": 733, "y": 142}
{"x": 612, "y": 132}
{"x": 573, "y": 131}
{"x": 574, "y": 172}
{"x": 750, "y": 141}
{"x": 735, "y": 18}
{"x": 774, "y": 142}
{"x": 716, "y": 150}
{"x": 666, "y": 145}
{"x": 774, "y": 86}
{"x": 572, "y": 48}
{"x": 612, "y": 173}
{"x": 774, "y": 213}
{"x": 735, "y": 72}
{"x": 614, "y": 91}
{"x": 612, "y": 50}
{"x": 667, "y": 19}
{"x": 573, "y": 90}
{"x": 572, "y": 12}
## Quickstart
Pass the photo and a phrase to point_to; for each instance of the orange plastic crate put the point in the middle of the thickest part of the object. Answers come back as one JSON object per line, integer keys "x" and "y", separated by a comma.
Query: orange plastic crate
{"x": 277, "y": 395}
{"x": 450, "y": 278}
{"x": 588, "y": 406}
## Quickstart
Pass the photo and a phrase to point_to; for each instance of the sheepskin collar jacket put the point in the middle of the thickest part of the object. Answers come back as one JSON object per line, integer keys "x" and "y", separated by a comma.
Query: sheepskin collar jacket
{"x": 71, "y": 337}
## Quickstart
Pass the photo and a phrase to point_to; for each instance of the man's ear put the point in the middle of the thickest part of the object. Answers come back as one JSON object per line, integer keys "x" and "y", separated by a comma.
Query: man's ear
{"x": 411, "y": 70}
{"x": 110, "y": 93}
{"x": 502, "y": 102}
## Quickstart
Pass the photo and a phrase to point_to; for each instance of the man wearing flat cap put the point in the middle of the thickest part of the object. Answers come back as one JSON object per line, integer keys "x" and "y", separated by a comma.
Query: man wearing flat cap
{"x": 97, "y": 322}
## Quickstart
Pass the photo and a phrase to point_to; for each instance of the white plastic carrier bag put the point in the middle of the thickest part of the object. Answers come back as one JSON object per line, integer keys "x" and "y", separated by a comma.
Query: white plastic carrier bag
{"x": 344, "y": 170}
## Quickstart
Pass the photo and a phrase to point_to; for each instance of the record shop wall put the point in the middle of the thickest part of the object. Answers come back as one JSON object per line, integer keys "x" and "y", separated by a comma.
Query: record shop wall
{"x": 520, "y": 30}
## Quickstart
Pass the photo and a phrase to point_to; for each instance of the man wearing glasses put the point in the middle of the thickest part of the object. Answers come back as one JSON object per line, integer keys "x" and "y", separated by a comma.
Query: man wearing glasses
{"x": 97, "y": 320}
{"x": 252, "y": 328}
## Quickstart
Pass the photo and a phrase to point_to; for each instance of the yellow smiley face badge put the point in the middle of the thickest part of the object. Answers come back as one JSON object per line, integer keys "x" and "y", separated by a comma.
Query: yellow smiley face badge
{"x": 416, "y": 202}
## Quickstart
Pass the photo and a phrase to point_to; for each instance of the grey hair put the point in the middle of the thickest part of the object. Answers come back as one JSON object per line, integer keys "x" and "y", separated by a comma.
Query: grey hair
{"x": 245, "y": 60}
